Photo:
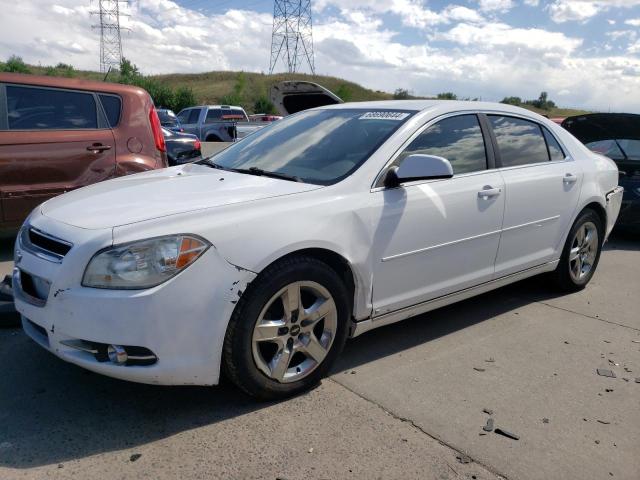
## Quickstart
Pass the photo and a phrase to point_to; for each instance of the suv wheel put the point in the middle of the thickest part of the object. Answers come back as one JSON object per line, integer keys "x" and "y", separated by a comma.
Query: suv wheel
{"x": 287, "y": 329}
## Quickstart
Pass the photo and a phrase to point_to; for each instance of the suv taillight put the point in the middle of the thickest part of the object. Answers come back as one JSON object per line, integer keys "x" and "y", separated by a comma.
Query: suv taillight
{"x": 156, "y": 128}
{"x": 197, "y": 145}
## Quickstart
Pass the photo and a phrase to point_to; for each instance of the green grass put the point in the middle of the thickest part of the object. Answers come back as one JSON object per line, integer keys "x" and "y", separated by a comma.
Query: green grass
{"x": 210, "y": 87}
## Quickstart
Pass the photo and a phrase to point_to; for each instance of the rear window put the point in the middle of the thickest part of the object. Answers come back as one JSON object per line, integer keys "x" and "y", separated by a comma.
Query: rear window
{"x": 32, "y": 108}
{"x": 112, "y": 106}
{"x": 622, "y": 149}
{"x": 213, "y": 115}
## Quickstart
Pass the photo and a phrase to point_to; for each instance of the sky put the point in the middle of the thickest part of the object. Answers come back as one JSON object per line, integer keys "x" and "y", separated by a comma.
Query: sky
{"x": 584, "y": 53}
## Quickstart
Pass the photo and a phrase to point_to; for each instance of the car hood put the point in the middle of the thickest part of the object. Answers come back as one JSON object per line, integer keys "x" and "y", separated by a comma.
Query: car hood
{"x": 169, "y": 191}
{"x": 291, "y": 97}
{"x": 603, "y": 126}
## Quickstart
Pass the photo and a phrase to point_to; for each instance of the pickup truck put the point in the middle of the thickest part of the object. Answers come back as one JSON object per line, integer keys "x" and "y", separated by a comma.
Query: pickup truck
{"x": 217, "y": 123}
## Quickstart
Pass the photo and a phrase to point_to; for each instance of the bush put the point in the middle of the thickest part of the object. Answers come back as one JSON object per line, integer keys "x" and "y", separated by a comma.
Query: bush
{"x": 447, "y": 96}
{"x": 401, "y": 94}
{"x": 344, "y": 92}
{"x": 264, "y": 105}
{"x": 15, "y": 64}
{"x": 183, "y": 98}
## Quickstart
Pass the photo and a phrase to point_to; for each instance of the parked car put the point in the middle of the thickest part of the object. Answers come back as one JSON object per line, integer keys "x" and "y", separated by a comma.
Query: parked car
{"x": 169, "y": 120}
{"x": 58, "y": 134}
{"x": 217, "y": 123}
{"x": 617, "y": 136}
{"x": 264, "y": 117}
{"x": 261, "y": 260}
{"x": 181, "y": 147}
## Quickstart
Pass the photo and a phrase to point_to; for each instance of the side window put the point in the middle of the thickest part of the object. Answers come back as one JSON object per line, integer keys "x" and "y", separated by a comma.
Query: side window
{"x": 194, "y": 115}
{"x": 555, "y": 150}
{"x": 50, "y": 109}
{"x": 183, "y": 116}
{"x": 213, "y": 115}
{"x": 520, "y": 141}
{"x": 112, "y": 105}
{"x": 458, "y": 139}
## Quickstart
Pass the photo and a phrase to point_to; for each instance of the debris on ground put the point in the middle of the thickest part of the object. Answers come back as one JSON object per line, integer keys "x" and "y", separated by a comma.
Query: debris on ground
{"x": 507, "y": 434}
{"x": 545, "y": 420}
{"x": 606, "y": 341}
{"x": 604, "y": 422}
{"x": 614, "y": 363}
{"x": 603, "y": 372}
{"x": 566, "y": 343}
{"x": 478, "y": 369}
{"x": 489, "y": 425}
{"x": 462, "y": 458}
{"x": 488, "y": 411}
{"x": 608, "y": 390}
{"x": 310, "y": 450}
{"x": 135, "y": 457}
{"x": 490, "y": 360}
{"x": 638, "y": 380}
{"x": 597, "y": 442}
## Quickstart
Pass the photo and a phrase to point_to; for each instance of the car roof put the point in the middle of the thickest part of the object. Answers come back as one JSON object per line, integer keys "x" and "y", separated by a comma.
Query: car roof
{"x": 439, "y": 106}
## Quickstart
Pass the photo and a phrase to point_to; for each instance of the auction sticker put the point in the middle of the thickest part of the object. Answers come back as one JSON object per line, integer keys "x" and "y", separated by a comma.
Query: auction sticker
{"x": 384, "y": 116}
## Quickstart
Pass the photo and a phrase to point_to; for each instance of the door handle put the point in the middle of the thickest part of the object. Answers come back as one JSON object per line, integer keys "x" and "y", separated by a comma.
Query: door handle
{"x": 98, "y": 147}
{"x": 489, "y": 192}
{"x": 570, "y": 178}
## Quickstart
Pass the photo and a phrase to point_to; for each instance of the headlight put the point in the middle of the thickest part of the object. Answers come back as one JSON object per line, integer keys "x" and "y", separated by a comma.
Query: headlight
{"x": 143, "y": 264}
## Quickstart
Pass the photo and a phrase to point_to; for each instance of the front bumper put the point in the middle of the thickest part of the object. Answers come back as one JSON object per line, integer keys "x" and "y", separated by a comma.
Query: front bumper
{"x": 182, "y": 321}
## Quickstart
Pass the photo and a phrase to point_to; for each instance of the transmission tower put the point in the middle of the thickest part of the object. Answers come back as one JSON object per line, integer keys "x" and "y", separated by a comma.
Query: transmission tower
{"x": 110, "y": 39}
{"x": 291, "y": 39}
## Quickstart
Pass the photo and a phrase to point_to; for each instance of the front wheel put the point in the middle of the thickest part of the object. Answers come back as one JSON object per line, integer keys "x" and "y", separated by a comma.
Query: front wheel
{"x": 581, "y": 253}
{"x": 287, "y": 329}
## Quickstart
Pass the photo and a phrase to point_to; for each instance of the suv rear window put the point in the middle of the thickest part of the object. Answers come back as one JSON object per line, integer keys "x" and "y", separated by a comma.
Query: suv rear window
{"x": 32, "y": 108}
{"x": 112, "y": 105}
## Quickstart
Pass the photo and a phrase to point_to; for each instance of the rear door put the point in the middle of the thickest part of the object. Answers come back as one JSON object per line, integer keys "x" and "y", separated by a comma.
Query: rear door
{"x": 542, "y": 186}
{"x": 52, "y": 141}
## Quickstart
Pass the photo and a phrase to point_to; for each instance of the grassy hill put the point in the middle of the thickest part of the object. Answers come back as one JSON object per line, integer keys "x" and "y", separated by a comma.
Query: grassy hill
{"x": 248, "y": 87}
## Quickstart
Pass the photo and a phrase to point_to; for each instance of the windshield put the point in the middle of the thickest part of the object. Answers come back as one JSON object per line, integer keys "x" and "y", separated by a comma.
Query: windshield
{"x": 167, "y": 118}
{"x": 317, "y": 146}
{"x": 622, "y": 149}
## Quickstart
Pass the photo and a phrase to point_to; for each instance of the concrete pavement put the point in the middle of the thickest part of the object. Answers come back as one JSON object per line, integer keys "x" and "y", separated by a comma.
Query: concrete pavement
{"x": 404, "y": 401}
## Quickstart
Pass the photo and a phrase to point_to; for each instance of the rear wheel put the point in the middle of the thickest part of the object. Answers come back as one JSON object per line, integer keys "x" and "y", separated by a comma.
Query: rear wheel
{"x": 287, "y": 329}
{"x": 581, "y": 253}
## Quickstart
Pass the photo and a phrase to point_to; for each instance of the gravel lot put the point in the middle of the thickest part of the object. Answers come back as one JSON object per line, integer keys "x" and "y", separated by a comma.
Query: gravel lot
{"x": 405, "y": 401}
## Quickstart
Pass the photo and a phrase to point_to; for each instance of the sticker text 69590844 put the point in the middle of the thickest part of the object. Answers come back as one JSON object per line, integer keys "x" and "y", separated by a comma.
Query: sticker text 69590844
{"x": 384, "y": 116}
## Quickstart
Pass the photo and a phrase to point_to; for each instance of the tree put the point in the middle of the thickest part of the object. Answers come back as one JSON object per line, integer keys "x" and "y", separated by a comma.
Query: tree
{"x": 517, "y": 101}
{"x": 447, "y": 96}
{"x": 237, "y": 95}
{"x": 15, "y": 64}
{"x": 183, "y": 98}
{"x": 128, "y": 71}
{"x": 401, "y": 94}
{"x": 264, "y": 105}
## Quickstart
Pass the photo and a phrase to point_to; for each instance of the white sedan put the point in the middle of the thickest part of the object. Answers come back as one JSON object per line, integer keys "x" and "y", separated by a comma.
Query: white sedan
{"x": 262, "y": 260}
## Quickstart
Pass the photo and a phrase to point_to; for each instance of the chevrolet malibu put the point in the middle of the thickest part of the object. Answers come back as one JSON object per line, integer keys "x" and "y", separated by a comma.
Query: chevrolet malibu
{"x": 260, "y": 262}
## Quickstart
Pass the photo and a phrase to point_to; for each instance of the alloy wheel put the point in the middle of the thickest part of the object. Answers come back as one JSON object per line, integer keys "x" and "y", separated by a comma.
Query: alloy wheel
{"x": 584, "y": 250}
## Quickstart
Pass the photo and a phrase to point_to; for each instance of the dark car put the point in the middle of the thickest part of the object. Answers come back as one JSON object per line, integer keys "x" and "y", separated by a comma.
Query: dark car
{"x": 59, "y": 134}
{"x": 169, "y": 120}
{"x": 617, "y": 136}
{"x": 181, "y": 147}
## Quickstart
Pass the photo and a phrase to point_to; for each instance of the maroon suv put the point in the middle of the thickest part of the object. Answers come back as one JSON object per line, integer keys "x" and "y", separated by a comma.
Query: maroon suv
{"x": 58, "y": 134}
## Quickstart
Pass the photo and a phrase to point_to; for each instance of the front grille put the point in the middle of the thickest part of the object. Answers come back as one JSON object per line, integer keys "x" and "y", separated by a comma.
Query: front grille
{"x": 48, "y": 243}
{"x": 44, "y": 245}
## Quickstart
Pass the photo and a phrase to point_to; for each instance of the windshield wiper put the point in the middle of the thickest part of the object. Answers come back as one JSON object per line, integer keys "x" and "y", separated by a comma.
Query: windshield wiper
{"x": 209, "y": 163}
{"x": 265, "y": 173}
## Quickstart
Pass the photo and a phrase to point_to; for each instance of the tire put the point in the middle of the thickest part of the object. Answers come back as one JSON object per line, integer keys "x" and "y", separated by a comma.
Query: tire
{"x": 572, "y": 274}
{"x": 272, "y": 351}
{"x": 213, "y": 138}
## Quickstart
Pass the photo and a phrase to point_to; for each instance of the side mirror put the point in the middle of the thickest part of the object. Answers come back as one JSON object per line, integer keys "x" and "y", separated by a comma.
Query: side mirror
{"x": 418, "y": 167}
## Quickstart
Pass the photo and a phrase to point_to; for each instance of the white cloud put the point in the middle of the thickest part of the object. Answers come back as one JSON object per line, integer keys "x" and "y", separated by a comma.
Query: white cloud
{"x": 634, "y": 22}
{"x": 532, "y": 3}
{"x": 456, "y": 49}
{"x": 583, "y": 10}
{"x": 495, "y": 5}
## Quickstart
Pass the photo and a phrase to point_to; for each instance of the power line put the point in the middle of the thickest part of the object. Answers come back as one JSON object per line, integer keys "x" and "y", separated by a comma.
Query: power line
{"x": 291, "y": 38}
{"x": 110, "y": 39}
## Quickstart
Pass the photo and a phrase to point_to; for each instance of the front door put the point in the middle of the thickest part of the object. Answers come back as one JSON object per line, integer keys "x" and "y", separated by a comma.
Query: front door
{"x": 542, "y": 187}
{"x": 436, "y": 237}
{"x": 53, "y": 142}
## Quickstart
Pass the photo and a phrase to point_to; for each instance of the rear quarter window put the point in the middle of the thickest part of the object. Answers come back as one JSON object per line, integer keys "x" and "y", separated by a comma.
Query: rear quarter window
{"x": 112, "y": 105}
{"x": 31, "y": 108}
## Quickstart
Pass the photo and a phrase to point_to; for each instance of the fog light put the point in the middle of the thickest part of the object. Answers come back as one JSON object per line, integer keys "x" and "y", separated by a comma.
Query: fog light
{"x": 117, "y": 354}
